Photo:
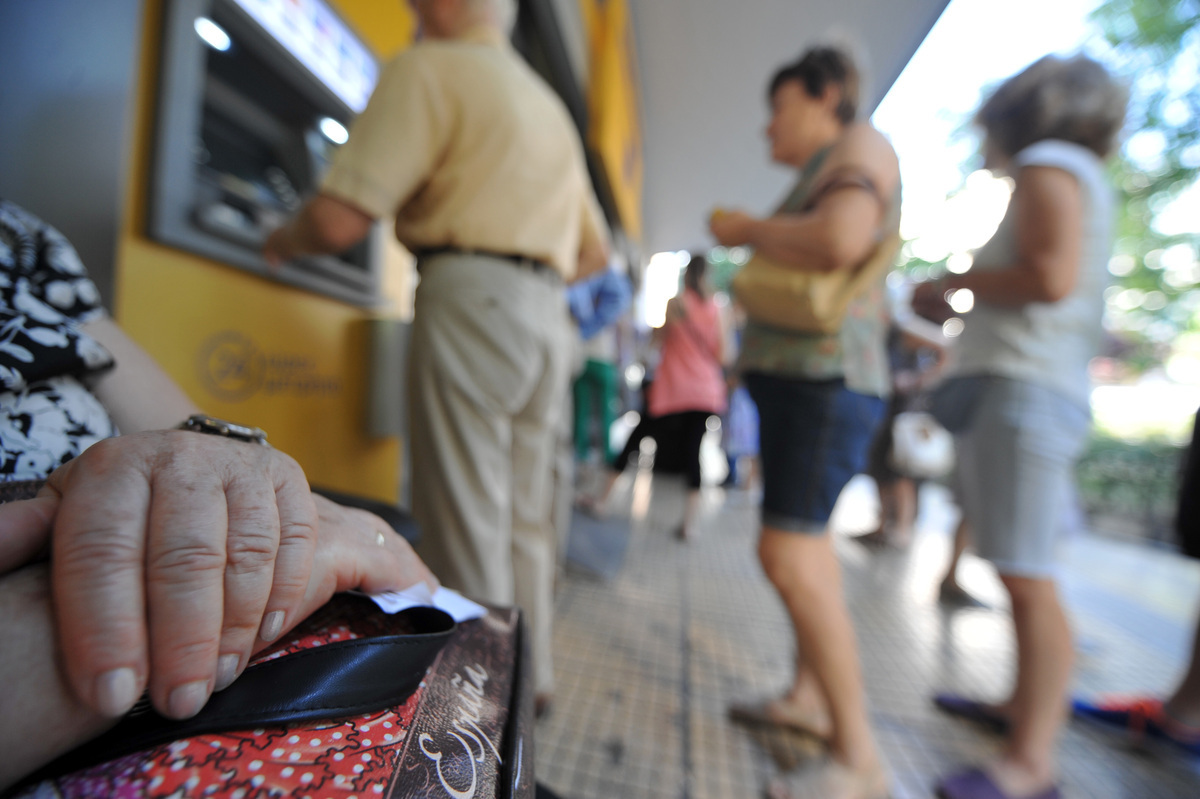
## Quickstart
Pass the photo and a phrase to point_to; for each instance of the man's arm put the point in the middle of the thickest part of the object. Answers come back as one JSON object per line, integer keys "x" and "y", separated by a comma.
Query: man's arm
{"x": 842, "y": 229}
{"x": 393, "y": 147}
{"x": 592, "y": 258}
{"x": 594, "y": 249}
{"x": 324, "y": 225}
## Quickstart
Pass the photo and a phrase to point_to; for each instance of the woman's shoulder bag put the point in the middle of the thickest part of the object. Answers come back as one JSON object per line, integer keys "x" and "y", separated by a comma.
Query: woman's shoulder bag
{"x": 805, "y": 301}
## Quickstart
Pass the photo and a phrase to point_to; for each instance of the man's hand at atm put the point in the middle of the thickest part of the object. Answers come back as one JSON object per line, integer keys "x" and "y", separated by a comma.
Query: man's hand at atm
{"x": 324, "y": 225}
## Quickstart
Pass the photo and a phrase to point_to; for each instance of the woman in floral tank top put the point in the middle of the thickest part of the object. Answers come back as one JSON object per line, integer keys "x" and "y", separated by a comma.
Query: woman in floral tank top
{"x": 820, "y": 398}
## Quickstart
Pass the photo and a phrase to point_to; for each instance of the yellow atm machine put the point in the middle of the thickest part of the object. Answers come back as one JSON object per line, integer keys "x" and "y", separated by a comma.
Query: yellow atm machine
{"x": 241, "y": 105}
{"x": 166, "y": 137}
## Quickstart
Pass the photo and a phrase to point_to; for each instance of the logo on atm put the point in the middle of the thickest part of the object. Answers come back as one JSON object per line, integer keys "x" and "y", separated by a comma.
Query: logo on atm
{"x": 231, "y": 366}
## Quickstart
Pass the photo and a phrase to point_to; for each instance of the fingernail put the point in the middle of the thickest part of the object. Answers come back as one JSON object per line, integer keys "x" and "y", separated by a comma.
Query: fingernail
{"x": 186, "y": 700}
{"x": 226, "y": 671}
{"x": 272, "y": 625}
{"x": 116, "y": 691}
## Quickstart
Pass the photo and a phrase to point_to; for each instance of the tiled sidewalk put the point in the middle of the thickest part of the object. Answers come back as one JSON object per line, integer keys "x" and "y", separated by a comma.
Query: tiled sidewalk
{"x": 648, "y": 662}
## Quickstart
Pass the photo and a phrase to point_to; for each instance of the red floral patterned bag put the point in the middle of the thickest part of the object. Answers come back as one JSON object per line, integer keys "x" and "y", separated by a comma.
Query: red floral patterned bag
{"x": 460, "y": 728}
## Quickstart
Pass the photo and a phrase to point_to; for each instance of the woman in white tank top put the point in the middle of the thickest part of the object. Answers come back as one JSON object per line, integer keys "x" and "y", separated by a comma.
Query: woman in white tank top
{"x": 1038, "y": 287}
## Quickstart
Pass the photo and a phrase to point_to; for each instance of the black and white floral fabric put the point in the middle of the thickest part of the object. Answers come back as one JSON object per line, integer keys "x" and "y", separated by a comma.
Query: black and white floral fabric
{"x": 47, "y": 414}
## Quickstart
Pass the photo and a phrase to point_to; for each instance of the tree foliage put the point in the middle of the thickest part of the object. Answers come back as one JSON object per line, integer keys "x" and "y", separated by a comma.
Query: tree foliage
{"x": 1155, "y": 46}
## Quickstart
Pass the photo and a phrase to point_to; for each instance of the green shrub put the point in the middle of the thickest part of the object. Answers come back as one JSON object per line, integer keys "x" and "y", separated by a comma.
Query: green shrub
{"x": 1135, "y": 481}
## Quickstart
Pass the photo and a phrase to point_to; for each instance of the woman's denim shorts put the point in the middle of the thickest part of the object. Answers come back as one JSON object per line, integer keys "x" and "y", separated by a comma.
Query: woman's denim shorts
{"x": 1015, "y": 474}
{"x": 813, "y": 437}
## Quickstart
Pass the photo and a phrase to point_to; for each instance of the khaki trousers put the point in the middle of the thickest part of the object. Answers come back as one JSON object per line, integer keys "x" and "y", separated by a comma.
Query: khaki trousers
{"x": 488, "y": 374}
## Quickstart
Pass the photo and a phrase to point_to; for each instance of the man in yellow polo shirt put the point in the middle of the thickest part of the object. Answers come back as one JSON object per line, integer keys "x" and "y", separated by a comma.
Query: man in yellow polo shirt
{"x": 481, "y": 166}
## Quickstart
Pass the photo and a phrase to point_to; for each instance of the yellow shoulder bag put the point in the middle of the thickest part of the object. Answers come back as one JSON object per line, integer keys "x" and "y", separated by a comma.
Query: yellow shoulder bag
{"x": 793, "y": 298}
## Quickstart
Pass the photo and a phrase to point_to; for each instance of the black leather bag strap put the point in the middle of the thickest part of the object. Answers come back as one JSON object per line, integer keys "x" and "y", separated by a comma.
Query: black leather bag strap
{"x": 334, "y": 680}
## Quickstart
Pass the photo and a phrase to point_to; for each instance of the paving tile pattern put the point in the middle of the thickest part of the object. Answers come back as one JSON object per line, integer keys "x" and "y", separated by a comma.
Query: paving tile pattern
{"x": 648, "y": 662}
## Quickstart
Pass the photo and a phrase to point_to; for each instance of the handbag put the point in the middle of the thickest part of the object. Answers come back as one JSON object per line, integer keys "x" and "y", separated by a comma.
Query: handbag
{"x": 789, "y": 297}
{"x": 921, "y": 448}
{"x": 783, "y": 296}
{"x": 353, "y": 701}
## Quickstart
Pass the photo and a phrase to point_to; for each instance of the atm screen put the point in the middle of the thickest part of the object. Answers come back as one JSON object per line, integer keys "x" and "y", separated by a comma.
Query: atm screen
{"x": 254, "y": 101}
{"x": 255, "y": 154}
{"x": 321, "y": 42}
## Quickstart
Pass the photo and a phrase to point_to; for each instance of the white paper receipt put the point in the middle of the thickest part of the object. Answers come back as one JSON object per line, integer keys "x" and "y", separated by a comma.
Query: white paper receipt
{"x": 458, "y": 606}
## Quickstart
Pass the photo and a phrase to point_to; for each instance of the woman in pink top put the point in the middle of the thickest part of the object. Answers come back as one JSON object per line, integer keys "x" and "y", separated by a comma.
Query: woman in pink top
{"x": 689, "y": 384}
{"x": 690, "y": 376}
{"x": 688, "y": 387}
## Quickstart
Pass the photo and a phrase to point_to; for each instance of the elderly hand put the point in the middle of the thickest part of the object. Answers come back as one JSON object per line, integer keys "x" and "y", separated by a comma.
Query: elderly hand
{"x": 176, "y": 555}
{"x": 173, "y": 554}
{"x": 730, "y": 228}
{"x": 357, "y": 550}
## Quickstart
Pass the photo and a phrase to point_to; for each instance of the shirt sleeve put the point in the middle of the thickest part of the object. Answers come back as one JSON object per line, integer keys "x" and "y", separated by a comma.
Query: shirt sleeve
{"x": 45, "y": 297}
{"x": 36, "y": 256}
{"x": 396, "y": 141}
{"x": 62, "y": 280}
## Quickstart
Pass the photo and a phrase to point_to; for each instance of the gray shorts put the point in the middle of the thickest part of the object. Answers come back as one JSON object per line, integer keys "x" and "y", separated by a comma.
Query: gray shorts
{"x": 1015, "y": 474}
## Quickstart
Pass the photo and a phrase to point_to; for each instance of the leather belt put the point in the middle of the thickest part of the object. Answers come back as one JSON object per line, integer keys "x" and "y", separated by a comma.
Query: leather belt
{"x": 535, "y": 265}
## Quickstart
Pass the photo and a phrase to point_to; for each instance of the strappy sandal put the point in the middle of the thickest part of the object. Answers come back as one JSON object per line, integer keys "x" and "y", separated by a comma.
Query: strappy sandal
{"x": 776, "y": 713}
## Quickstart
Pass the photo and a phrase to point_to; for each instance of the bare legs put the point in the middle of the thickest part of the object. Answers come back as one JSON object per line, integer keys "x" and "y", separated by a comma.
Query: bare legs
{"x": 949, "y": 585}
{"x": 1039, "y": 702}
{"x": 805, "y": 571}
{"x": 598, "y": 505}
{"x": 905, "y": 509}
{"x": 897, "y": 513}
{"x": 691, "y": 508}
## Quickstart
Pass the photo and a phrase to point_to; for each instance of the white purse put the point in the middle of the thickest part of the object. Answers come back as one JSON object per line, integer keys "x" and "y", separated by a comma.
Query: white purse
{"x": 921, "y": 448}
